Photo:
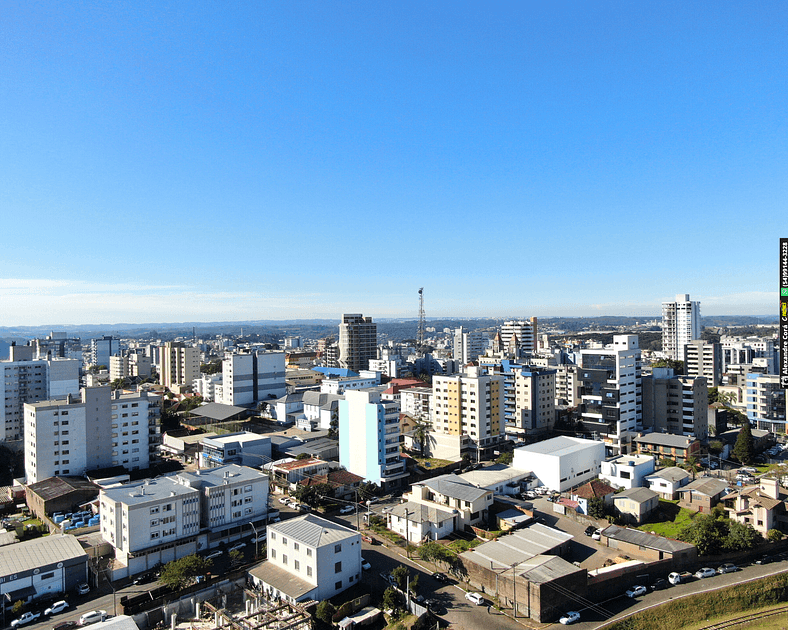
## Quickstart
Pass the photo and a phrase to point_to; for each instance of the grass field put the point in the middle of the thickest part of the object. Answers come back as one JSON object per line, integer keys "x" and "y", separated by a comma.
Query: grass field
{"x": 671, "y": 519}
{"x": 704, "y": 609}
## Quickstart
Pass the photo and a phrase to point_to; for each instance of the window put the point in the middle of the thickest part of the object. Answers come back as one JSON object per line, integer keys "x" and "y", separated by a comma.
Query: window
{"x": 154, "y": 522}
{"x": 295, "y": 546}
{"x": 154, "y": 535}
{"x": 47, "y": 576}
{"x": 338, "y": 585}
{"x": 337, "y": 548}
{"x": 284, "y": 559}
{"x": 309, "y": 571}
{"x": 284, "y": 541}
{"x": 273, "y": 553}
{"x": 337, "y": 567}
{"x": 309, "y": 552}
{"x": 297, "y": 565}
{"x": 154, "y": 510}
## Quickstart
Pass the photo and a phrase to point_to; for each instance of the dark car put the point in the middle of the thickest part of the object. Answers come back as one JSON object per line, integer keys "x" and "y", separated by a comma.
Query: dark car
{"x": 65, "y": 625}
{"x": 442, "y": 577}
{"x": 144, "y": 578}
{"x": 659, "y": 585}
{"x": 590, "y": 530}
{"x": 764, "y": 560}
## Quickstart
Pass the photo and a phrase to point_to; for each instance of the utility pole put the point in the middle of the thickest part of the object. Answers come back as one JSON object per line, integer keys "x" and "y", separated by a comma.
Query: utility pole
{"x": 420, "y": 330}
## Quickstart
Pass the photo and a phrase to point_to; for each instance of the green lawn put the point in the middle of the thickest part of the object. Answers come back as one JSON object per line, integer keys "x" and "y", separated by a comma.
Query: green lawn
{"x": 669, "y": 519}
{"x": 431, "y": 462}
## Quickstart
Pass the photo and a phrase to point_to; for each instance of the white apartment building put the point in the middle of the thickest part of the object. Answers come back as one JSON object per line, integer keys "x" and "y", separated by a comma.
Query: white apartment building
{"x": 471, "y": 405}
{"x": 610, "y": 392}
{"x": 28, "y": 380}
{"x": 766, "y": 402}
{"x": 416, "y": 402}
{"x": 251, "y": 377}
{"x": 745, "y": 350}
{"x": 338, "y": 386}
{"x": 358, "y": 342}
{"x": 369, "y": 433}
{"x": 180, "y": 364}
{"x": 703, "y": 358}
{"x": 163, "y": 519}
{"x": 309, "y": 558}
{"x": 100, "y": 429}
{"x": 567, "y": 385}
{"x": 680, "y": 325}
{"x": 209, "y": 386}
{"x": 519, "y": 337}
{"x": 468, "y": 345}
{"x": 529, "y": 401}
{"x": 129, "y": 366}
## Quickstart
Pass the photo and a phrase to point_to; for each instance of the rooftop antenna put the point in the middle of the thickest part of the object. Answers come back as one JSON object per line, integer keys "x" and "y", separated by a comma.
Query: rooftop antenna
{"x": 420, "y": 330}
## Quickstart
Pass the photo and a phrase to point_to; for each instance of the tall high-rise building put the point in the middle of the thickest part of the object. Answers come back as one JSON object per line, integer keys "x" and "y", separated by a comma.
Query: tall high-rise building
{"x": 252, "y": 377}
{"x": 610, "y": 392}
{"x": 27, "y": 380}
{"x": 358, "y": 342}
{"x": 519, "y": 337}
{"x": 680, "y": 325}
{"x": 102, "y": 349}
{"x": 180, "y": 364}
{"x": 468, "y": 345}
{"x": 766, "y": 402}
{"x": 469, "y": 405}
{"x": 99, "y": 430}
{"x": 369, "y": 437}
{"x": 675, "y": 404}
{"x": 703, "y": 358}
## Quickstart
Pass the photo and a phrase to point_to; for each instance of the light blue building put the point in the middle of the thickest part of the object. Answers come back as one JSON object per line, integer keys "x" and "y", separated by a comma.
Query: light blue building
{"x": 369, "y": 437}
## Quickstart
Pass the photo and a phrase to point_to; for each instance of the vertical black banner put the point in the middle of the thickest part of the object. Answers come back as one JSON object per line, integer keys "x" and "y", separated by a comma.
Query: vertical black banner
{"x": 784, "y": 312}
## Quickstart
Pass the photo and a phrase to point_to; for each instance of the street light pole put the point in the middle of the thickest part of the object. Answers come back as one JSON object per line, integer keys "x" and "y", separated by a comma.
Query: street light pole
{"x": 256, "y": 541}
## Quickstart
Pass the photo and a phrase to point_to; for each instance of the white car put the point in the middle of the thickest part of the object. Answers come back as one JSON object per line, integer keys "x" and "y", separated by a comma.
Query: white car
{"x": 284, "y": 500}
{"x": 56, "y": 608}
{"x": 636, "y": 591}
{"x": 237, "y": 547}
{"x": 259, "y": 539}
{"x": 347, "y": 509}
{"x": 93, "y": 616}
{"x": 83, "y": 589}
{"x": 705, "y": 572}
{"x": 365, "y": 565}
{"x": 26, "y": 618}
{"x": 597, "y": 535}
{"x": 214, "y": 554}
{"x": 570, "y": 617}
{"x": 475, "y": 598}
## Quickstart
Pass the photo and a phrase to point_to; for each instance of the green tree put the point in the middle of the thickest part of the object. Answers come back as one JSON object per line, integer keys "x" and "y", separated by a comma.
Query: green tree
{"x": 214, "y": 367}
{"x": 18, "y": 606}
{"x": 676, "y": 366}
{"x": 707, "y": 533}
{"x": 744, "y": 449}
{"x": 741, "y": 537}
{"x": 596, "y": 507}
{"x": 436, "y": 553}
{"x": 505, "y": 458}
{"x": 303, "y": 456}
{"x": 774, "y": 535}
{"x": 715, "y": 447}
{"x": 179, "y": 573}
{"x": 313, "y": 495}
{"x": 391, "y": 599}
{"x": 400, "y": 574}
{"x": 236, "y": 558}
{"x": 413, "y": 585}
{"x": 691, "y": 465}
{"x": 667, "y": 463}
{"x": 421, "y": 432}
{"x": 325, "y": 611}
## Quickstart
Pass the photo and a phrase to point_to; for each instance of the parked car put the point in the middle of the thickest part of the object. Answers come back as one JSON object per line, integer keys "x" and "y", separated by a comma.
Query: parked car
{"x": 728, "y": 567}
{"x": 637, "y": 591}
{"x": 597, "y": 535}
{"x": 65, "y": 625}
{"x": 441, "y": 577}
{"x": 475, "y": 598}
{"x": 590, "y": 530}
{"x": 570, "y": 617}
{"x": 258, "y": 539}
{"x": 56, "y": 608}
{"x": 83, "y": 589}
{"x": 214, "y": 554}
{"x": 144, "y": 578}
{"x": 660, "y": 584}
{"x": 26, "y": 618}
{"x": 365, "y": 565}
{"x": 284, "y": 500}
{"x": 705, "y": 572}
{"x": 237, "y": 546}
{"x": 680, "y": 578}
{"x": 765, "y": 559}
{"x": 94, "y": 616}
{"x": 347, "y": 509}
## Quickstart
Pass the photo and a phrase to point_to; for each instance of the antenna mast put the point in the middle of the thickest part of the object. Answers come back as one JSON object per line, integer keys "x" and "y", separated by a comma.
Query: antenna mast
{"x": 420, "y": 330}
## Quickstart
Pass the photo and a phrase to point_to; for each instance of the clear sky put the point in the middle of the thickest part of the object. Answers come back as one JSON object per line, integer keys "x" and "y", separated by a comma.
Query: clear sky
{"x": 226, "y": 160}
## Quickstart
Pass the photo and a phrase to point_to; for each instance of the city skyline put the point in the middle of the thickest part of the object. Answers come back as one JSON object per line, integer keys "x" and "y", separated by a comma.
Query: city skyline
{"x": 244, "y": 162}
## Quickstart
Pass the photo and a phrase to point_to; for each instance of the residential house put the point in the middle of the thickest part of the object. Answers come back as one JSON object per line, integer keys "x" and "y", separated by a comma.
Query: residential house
{"x": 594, "y": 489}
{"x": 287, "y": 473}
{"x": 668, "y": 446}
{"x": 635, "y": 505}
{"x": 309, "y": 558}
{"x": 420, "y": 522}
{"x": 668, "y": 481}
{"x": 471, "y": 503}
{"x": 703, "y": 494}
{"x": 763, "y": 506}
{"x": 627, "y": 471}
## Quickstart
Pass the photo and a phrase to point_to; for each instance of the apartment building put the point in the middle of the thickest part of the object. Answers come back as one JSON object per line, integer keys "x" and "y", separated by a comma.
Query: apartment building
{"x": 369, "y": 433}
{"x": 745, "y": 350}
{"x": 163, "y": 519}
{"x": 243, "y": 448}
{"x": 519, "y": 337}
{"x": 180, "y": 364}
{"x": 529, "y": 401}
{"x": 99, "y": 429}
{"x": 765, "y": 400}
{"x": 703, "y": 358}
{"x": 467, "y": 345}
{"x": 309, "y": 558}
{"x": 253, "y": 376}
{"x": 27, "y": 380}
{"x": 102, "y": 349}
{"x": 675, "y": 404}
{"x": 567, "y": 385}
{"x": 470, "y": 405}
{"x": 131, "y": 365}
{"x": 358, "y": 342}
{"x": 680, "y": 325}
{"x": 610, "y": 392}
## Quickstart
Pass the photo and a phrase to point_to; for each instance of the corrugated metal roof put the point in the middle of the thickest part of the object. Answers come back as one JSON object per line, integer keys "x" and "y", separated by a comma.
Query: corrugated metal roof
{"x": 639, "y": 495}
{"x": 644, "y": 539}
{"x": 313, "y": 531}
{"x": 282, "y": 580}
{"x": 419, "y": 512}
{"x": 454, "y": 487}
{"x": 671, "y": 473}
{"x": 33, "y": 554}
{"x": 519, "y": 546}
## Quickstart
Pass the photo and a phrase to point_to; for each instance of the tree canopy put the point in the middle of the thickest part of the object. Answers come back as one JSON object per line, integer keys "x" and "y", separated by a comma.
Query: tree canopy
{"x": 713, "y": 534}
{"x": 180, "y": 573}
{"x": 744, "y": 449}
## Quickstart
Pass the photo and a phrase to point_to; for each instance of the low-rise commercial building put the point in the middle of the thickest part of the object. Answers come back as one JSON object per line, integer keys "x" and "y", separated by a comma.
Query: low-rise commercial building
{"x": 563, "y": 462}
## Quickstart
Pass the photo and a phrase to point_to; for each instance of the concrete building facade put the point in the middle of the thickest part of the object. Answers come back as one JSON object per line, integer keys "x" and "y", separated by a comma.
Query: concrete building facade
{"x": 358, "y": 342}
{"x": 680, "y": 325}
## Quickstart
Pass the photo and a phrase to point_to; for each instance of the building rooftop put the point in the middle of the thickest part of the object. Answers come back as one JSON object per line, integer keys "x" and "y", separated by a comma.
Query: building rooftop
{"x": 560, "y": 446}
{"x": 421, "y": 512}
{"x": 55, "y": 487}
{"x": 233, "y": 473}
{"x": 636, "y": 460}
{"x": 671, "y": 473}
{"x": 454, "y": 487}
{"x": 492, "y": 475}
{"x": 708, "y": 486}
{"x": 240, "y": 437}
{"x": 638, "y": 495}
{"x": 312, "y": 530}
{"x": 517, "y": 547}
{"x": 147, "y": 491}
{"x": 594, "y": 489}
{"x": 298, "y": 463}
{"x": 282, "y": 580}
{"x": 218, "y": 411}
{"x": 644, "y": 539}
{"x": 39, "y": 552}
{"x": 666, "y": 439}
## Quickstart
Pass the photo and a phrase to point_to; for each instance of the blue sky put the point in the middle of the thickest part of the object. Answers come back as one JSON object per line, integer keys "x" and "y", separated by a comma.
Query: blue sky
{"x": 164, "y": 162}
